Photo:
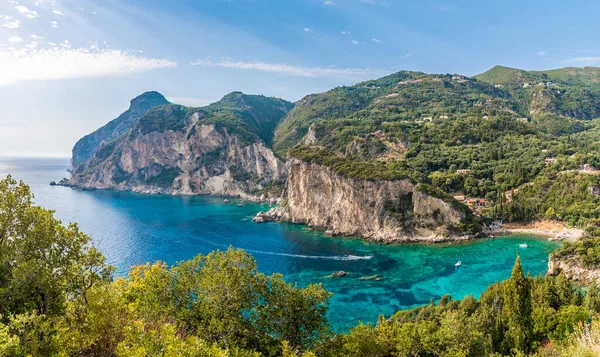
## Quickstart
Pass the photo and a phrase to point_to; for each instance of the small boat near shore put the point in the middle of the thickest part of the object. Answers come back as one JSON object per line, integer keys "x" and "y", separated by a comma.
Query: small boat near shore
{"x": 523, "y": 245}
{"x": 458, "y": 263}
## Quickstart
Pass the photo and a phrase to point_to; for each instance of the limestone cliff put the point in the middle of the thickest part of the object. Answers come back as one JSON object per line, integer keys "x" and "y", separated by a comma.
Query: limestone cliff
{"x": 573, "y": 269}
{"x": 380, "y": 210}
{"x": 177, "y": 150}
{"x": 87, "y": 146}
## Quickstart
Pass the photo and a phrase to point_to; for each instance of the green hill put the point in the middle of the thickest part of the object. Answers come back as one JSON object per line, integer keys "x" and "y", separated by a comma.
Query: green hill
{"x": 400, "y": 97}
{"x": 478, "y": 137}
{"x": 251, "y": 117}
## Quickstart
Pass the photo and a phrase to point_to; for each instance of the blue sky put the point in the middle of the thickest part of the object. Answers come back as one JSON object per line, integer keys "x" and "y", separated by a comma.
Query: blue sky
{"x": 67, "y": 67}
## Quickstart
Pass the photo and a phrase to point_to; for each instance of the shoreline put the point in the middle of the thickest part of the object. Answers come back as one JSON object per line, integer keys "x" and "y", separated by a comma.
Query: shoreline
{"x": 242, "y": 197}
{"x": 552, "y": 230}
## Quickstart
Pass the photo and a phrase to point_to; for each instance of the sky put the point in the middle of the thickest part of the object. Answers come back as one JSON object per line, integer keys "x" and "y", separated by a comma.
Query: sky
{"x": 68, "y": 67}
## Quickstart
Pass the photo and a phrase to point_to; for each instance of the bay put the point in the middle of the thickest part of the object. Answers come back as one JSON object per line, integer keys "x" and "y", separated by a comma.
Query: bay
{"x": 134, "y": 229}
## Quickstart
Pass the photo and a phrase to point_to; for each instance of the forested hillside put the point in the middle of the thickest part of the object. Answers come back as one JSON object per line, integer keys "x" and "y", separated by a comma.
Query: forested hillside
{"x": 525, "y": 142}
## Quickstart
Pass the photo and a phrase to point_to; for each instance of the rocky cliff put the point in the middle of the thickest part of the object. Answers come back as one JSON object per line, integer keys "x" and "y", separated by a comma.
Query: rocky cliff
{"x": 87, "y": 146}
{"x": 177, "y": 150}
{"x": 573, "y": 269}
{"x": 380, "y": 210}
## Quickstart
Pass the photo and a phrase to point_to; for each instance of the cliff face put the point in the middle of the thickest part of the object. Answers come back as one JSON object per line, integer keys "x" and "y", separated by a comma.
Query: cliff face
{"x": 219, "y": 149}
{"x": 202, "y": 159}
{"x": 573, "y": 270}
{"x": 87, "y": 146}
{"x": 380, "y": 210}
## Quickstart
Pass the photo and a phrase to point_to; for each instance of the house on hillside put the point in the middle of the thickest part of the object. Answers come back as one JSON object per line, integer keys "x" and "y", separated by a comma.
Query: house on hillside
{"x": 463, "y": 171}
{"x": 526, "y": 85}
{"x": 428, "y": 119}
{"x": 550, "y": 161}
{"x": 459, "y": 79}
{"x": 523, "y": 120}
{"x": 443, "y": 117}
{"x": 485, "y": 117}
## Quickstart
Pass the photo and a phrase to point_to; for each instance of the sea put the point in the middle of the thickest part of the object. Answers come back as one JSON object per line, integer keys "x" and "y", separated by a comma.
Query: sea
{"x": 133, "y": 229}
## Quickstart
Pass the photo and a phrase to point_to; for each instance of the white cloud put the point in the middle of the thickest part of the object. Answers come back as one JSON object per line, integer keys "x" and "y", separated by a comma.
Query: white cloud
{"x": 9, "y": 22}
{"x": 541, "y": 53}
{"x": 328, "y": 2}
{"x": 26, "y": 12}
{"x": 56, "y": 12}
{"x": 290, "y": 70}
{"x": 15, "y": 39}
{"x": 53, "y": 24}
{"x": 63, "y": 62}
{"x": 36, "y": 37}
{"x": 48, "y": 2}
{"x": 376, "y": 40}
{"x": 306, "y": 29}
{"x": 354, "y": 42}
{"x": 345, "y": 32}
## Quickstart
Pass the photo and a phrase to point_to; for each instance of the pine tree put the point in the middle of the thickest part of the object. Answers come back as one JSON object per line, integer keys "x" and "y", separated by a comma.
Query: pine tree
{"x": 592, "y": 298}
{"x": 517, "y": 311}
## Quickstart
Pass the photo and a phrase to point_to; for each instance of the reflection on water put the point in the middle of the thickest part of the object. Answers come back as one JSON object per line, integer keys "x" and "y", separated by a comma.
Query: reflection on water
{"x": 133, "y": 229}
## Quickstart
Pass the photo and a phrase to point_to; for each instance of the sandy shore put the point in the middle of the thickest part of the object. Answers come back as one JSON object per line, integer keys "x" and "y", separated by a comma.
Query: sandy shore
{"x": 545, "y": 228}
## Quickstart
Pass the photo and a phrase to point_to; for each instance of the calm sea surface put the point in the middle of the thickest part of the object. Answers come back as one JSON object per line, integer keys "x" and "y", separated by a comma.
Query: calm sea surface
{"x": 133, "y": 229}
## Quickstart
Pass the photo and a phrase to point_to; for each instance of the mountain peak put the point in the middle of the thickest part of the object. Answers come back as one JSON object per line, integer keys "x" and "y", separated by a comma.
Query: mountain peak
{"x": 148, "y": 99}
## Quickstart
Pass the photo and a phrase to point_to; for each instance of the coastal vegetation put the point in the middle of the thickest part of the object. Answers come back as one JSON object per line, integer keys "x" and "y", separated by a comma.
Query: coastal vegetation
{"x": 585, "y": 251}
{"x": 58, "y": 298}
{"x": 524, "y": 142}
{"x": 520, "y": 143}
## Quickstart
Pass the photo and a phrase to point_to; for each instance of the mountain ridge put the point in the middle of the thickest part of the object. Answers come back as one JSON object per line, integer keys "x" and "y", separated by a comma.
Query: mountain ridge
{"x": 86, "y": 147}
{"x": 459, "y": 136}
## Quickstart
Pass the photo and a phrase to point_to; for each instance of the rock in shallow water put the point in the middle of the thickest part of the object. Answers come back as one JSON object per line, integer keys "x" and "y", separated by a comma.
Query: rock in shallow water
{"x": 338, "y": 274}
{"x": 273, "y": 215}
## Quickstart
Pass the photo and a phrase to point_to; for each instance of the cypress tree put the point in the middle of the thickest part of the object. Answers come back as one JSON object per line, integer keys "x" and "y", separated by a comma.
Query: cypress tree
{"x": 592, "y": 298}
{"x": 517, "y": 311}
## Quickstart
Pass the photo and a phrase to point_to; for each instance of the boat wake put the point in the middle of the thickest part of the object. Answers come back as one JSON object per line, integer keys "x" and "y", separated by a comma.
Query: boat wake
{"x": 327, "y": 257}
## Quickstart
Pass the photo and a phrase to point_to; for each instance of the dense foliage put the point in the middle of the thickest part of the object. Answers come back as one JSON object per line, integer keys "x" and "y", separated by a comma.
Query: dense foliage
{"x": 585, "y": 251}
{"x": 350, "y": 168}
{"x": 486, "y": 137}
{"x": 249, "y": 117}
{"x": 57, "y": 298}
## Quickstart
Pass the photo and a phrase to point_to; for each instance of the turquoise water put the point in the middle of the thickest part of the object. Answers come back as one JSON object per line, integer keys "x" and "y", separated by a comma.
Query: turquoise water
{"x": 133, "y": 229}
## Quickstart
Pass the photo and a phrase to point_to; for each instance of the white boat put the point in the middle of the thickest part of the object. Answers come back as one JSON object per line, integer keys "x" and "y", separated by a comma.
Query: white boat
{"x": 458, "y": 263}
{"x": 524, "y": 245}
